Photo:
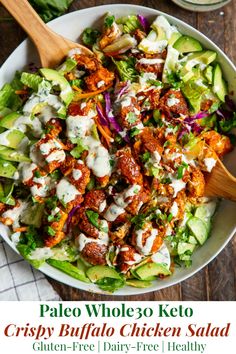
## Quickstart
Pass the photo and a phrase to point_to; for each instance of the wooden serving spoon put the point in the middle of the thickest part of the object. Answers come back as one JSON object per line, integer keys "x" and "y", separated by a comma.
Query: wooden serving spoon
{"x": 52, "y": 48}
{"x": 220, "y": 183}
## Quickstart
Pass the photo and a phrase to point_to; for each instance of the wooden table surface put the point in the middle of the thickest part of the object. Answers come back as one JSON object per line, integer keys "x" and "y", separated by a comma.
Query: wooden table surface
{"x": 217, "y": 280}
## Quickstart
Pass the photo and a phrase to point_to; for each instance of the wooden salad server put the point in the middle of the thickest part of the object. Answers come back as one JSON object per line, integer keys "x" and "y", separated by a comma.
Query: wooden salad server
{"x": 220, "y": 183}
{"x": 52, "y": 48}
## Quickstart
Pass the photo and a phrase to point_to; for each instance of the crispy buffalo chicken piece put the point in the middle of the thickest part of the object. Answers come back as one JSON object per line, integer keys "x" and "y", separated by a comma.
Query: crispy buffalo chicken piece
{"x": 75, "y": 109}
{"x": 138, "y": 200}
{"x": 151, "y": 97}
{"x": 120, "y": 232}
{"x": 156, "y": 68}
{"x": 95, "y": 200}
{"x": 128, "y": 167}
{"x": 103, "y": 181}
{"x": 99, "y": 79}
{"x": 52, "y": 151}
{"x": 85, "y": 225}
{"x": 67, "y": 165}
{"x": 173, "y": 103}
{"x": 149, "y": 142}
{"x": 54, "y": 127}
{"x": 51, "y": 241}
{"x": 79, "y": 176}
{"x": 84, "y": 62}
{"x": 219, "y": 143}
{"x": 196, "y": 183}
{"x": 127, "y": 257}
{"x": 74, "y": 203}
{"x": 94, "y": 253}
{"x": 139, "y": 35}
{"x": 57, "y": 226}
{"x": 110, "y": 34}
{"x": 157, "y": 242}
{"x": 130, "y": 115}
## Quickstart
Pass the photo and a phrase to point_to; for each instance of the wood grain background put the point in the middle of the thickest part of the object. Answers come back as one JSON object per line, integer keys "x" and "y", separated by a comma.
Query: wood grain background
{"x": 217, "y": 280}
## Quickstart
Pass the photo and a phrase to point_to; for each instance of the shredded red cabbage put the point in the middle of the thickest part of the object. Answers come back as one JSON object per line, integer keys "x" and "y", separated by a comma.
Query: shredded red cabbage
{"x": 199, "y": 115}
{"x": 122, "y": 90}
{"x": 70, "y": 215}
{"x": 184, "y": 130}
{"x": 115, "y": 125}
{"x": 33, "y": 68}
{"x": 102, "y": 117}
{"x": 144, "y": 23}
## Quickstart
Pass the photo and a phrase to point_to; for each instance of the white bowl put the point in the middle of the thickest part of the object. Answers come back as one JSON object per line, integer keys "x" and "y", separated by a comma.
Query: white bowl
{"x": 71, "y": 26}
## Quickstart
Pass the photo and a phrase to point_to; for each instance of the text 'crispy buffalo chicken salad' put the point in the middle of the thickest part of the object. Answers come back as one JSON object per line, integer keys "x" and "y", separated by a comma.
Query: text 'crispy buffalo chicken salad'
{"x": 103, "y": 160}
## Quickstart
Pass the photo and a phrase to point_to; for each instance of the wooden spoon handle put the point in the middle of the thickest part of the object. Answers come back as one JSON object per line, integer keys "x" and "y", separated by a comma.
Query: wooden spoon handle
{"x": 51, "y": 47}
{"x": 221, "y": 183}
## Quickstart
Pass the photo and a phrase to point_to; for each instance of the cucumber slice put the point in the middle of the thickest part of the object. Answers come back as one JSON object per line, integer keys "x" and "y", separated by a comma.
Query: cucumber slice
{"x": 187, "y": 44}
{"x": 138, "y": 283}
{"x": 184, "y": 247}
{"x": 9, "y": 120}
{"x": 12, "y": 155}
{"x": 99, "y": 272}
{"x": 192, "y": 240}
{"x": 199, "y": 229}
{"x": 219, "y": 84}
{"x": 151, "y": 269}
{"x": 205, "y": 211}
{"x": 7, "y": 169}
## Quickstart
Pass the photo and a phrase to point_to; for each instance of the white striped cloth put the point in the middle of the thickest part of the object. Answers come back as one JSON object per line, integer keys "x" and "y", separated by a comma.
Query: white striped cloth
{"x": 21, "y": 282}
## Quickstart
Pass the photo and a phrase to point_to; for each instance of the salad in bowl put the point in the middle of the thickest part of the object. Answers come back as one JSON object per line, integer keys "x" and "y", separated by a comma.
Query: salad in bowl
{"x": 104, "y": 159}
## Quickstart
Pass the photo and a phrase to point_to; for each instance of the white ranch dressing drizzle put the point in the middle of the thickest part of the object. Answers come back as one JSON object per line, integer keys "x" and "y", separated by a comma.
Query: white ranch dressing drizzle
{"x": 43, "y": 189}
{"x": 26, "y": 170}
{"x": 113, "y": 212}
{"x": 162, "y": 256}
{"x": 14, "y": 214}
{"x": 41, "y": 253}
{"x": 57, "y": 155}
{"x": 102, "y": 206}
{"x": 174, "y": 209}
{"x": 65, "y": 191}
{"x": 78, "y": 126}
{"x": 151, "y": 61}
{"x": 177, "y": 185}
{"x": 82, "y": 240}
{"x": 210, "y": 163}
{"x": 76, "y": 174}
{"x": 120, "y": 199}
{"x": 147, "y": 247}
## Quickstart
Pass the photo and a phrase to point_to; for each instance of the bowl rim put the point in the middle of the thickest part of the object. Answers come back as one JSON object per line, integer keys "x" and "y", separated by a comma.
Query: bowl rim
{"x": 58, "y": 275}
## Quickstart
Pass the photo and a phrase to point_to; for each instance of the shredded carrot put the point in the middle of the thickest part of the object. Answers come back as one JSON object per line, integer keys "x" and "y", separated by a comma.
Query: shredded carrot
{"x": 21, "y": 229}
{"x": 80, "y": 96}
{"x": 21, "y": 92}
{"x": 105, "y": 134}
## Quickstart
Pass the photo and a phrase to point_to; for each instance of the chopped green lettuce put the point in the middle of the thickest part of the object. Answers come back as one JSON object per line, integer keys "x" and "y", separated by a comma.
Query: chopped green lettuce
{"x": 130, "y": 23}
{"x": 90, "y": 36}
{"x": 31, "y": 80}
{"x": 126, "y": 69}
